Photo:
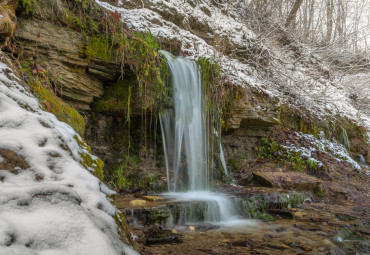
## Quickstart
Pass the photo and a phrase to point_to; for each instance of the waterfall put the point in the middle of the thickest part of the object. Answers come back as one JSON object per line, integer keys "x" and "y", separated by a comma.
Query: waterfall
{"x": 185, "y": 147}
{"x": 183, "y": 132}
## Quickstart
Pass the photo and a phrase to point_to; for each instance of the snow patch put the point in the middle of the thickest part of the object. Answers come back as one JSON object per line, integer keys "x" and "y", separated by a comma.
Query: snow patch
{"x": 55, "y": 206}
{"x": 293, "y": 82}
{"x": 338, "y": 151}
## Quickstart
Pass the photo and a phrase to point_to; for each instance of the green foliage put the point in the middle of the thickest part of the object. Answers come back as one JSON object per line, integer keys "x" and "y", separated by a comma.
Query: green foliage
{"x": 26, "y": 6}
{"x": 98, "y": 47}
{"x": 258, "y": 206}
{"x": 312, "y": 164}
{"x": 213, "y": 89}
{"x": 127, "y": 176}
{"x": 256, "y": 209}
{"x": 120, "y": 179}
{"x": 140, "y": 52}
{"x": 270, "y": 149}
{"x": 122, "y": 174}
{"x": 148, "y": 183}
{"x": 290, "y": 200}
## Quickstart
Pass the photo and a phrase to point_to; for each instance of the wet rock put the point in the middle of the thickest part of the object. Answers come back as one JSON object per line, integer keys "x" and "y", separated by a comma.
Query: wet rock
{"x": 243, "y": 177}
{"x": 284, "y": 213}
{"x": 155, "y": 234}
{"x": 344, "y": 217}
{"x": 204, "y": 227}
{"x": 249, "y": 244}
{"x": 287, "y": 180}
{"x": 308, "y": 227}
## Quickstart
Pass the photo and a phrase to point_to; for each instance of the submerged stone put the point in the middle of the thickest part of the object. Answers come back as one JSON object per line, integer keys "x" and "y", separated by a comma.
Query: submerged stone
{"x": 137, "y": 202}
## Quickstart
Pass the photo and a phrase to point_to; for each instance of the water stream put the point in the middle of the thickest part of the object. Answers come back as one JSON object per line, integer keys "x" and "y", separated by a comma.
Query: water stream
{"x": 185, "y": 146}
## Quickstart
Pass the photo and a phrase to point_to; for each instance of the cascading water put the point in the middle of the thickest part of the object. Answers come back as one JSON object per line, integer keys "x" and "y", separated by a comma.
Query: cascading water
{"x": 183, "y": 131}
{"x": 185, "y": 145}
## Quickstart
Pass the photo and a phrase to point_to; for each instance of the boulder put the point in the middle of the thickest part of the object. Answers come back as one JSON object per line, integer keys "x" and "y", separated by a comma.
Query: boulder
{"x": 287, "y": 180}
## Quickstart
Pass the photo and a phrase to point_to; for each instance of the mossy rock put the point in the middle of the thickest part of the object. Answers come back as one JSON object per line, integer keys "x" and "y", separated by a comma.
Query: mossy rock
{"x": 99, "y": 47}
{"x": 63, "y": 111}
{"x": 118, "y": 98}
{"x": 89, "y": 161}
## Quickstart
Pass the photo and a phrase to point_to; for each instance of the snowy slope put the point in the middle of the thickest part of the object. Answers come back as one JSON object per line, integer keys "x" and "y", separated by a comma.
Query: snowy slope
{"x": 291, "y": 80}
{"x": 49, "y": 203}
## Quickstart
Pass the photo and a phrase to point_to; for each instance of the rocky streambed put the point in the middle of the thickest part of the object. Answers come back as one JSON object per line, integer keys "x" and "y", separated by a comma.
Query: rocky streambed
{"x": 274, "y": 222}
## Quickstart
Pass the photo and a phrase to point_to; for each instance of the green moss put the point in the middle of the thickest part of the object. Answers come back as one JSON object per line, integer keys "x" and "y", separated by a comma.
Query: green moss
{"x": 26, "y": 6}
{"x": 258, "y": 206}
{"x": 41, "y": 85}
{"x": 270, "y": 149}
{"x": 89, "y": 161}
{"x": 72, "y": 20}
{"x": 140, "y": 52}
{"x": 117, "y": 98}
{"x": 123, "y": 231}
{"x": 319, "y": 192}
{"x": 99, "y": 47}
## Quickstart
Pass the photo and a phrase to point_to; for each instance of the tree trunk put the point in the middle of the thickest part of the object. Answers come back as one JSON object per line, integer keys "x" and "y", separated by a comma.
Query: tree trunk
{"x": 293, "y": 12}
{"x": 329, "y": 19}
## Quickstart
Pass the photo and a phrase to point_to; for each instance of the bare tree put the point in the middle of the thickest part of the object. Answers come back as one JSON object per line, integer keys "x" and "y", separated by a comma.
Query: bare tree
{"x": 293, "y": 13}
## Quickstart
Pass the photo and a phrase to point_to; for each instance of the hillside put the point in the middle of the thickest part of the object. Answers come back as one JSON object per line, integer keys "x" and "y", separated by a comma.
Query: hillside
{"x": 111, "y": 109}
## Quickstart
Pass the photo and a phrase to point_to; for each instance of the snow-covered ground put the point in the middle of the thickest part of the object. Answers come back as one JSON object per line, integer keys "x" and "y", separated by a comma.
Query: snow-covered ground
{"x": 49, "y": 203}
{"x": 293, "y": 82}
{"x": 314, "y": 145}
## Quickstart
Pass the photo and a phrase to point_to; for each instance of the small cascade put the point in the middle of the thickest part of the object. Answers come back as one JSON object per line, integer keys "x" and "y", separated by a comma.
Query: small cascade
{"x": 223, "y": 161}
{"x": 361, "y": 160}
{"x": 209, "y": 207}
{"x": 185, "y": 148}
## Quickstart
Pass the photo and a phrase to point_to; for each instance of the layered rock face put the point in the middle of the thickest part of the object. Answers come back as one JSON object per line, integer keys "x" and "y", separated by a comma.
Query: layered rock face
{"x": 81, "y": 80}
